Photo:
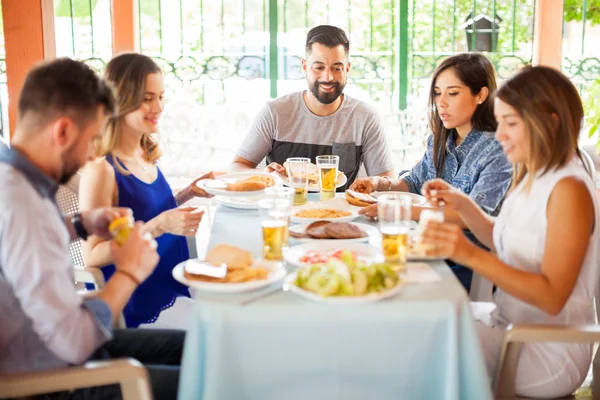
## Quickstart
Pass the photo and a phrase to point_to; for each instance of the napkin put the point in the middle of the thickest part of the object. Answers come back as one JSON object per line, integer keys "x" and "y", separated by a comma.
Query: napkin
{"x": 420, "y": 273}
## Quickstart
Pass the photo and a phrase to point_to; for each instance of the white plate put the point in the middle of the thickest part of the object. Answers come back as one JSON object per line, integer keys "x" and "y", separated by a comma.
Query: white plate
{"x": 337, "y": 203}
{"x": 371, "y": 231}
{"x": 217, "y": 186}
{"x": 229, "y": 288}
{"x": 416, "y": 257}
{"x": 366, "y": 252}
{"x": 417, "y": 199}
{"x": 241, "y": 203}
{"x": 341, "y": 300}
{"x": 315, "y": 188}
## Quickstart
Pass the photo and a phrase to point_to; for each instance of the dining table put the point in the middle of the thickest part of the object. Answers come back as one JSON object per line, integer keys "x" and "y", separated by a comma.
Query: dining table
{"x": 420, "y": 344}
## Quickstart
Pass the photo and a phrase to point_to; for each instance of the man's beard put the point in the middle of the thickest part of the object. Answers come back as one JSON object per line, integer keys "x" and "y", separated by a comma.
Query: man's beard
{"x": 327, "y": 98}
{"x": 70, "y": 166}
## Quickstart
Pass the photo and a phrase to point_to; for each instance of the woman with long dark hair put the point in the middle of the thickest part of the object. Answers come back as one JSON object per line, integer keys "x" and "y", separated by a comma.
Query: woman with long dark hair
{"x": 462, "y": 149}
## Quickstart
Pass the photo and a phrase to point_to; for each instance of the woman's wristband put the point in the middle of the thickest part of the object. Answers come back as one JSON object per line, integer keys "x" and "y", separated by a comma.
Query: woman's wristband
{"x": 130, "y": 276}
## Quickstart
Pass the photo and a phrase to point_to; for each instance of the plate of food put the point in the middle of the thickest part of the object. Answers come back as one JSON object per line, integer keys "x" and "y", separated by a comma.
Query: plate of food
{"x": 417, "y": 199}
{"x": 243, "y": 273}
{"x": 337, "y": 232}
{"x": 335, "y": 209}
{"x": 363, "y": 199}
{"x": 313, "y": 178}
{"x": 241, "y": 203}
{"x": 239, "y": 184}
{"x": 345, "y": 278}
{"x": 309, "y": 253}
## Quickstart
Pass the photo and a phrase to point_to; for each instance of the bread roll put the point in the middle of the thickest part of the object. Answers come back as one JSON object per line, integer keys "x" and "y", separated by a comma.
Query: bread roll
{"x": 246, "y": 186}
{"x": 233, "y": 256}
{"x": 359, "y": 199}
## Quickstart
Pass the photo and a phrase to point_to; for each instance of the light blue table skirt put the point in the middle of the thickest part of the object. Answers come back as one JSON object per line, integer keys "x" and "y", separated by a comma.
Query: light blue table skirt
{"x": 422, "y": 344}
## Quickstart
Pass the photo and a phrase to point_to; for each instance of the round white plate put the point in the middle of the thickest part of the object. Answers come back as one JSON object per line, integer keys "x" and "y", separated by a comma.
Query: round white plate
{"x": 417, "y": 199}
{"x": 337, "y": 203}
{"x": 341, "y": 300}
{"x": 371, "y": 231}
{"x": 315, "y": 188}
{"x": 416, "y": 257}
{"x": 241, "y": 203}
{"x": 366, "y": 252}
{"x": 216, "y": 186}
{"x": 228, "y": 288}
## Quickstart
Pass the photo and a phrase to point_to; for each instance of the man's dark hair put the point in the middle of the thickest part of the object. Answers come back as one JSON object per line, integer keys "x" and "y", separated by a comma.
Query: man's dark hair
{"x": 327, "y": 35}
{"x": 64, "y": 87}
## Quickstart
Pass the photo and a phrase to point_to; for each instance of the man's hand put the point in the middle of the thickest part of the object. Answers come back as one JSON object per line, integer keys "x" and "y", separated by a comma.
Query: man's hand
{"x": 96, "y": 221}
{"x": 275, "y": 167}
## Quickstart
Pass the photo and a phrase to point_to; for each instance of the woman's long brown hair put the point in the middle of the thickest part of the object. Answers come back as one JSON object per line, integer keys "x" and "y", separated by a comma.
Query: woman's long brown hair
{"x": 127, "y": 72}
{"x": 476, "y": 72}
{"x": 552, "y": 111}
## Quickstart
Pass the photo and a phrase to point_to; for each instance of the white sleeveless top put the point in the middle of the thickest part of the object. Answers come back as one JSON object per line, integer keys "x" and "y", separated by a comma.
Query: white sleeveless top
{"x": 520, "y": 239}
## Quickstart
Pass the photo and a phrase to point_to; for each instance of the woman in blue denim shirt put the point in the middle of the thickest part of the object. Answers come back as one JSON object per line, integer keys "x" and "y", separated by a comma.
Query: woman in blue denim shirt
{"x": 462, "y": 149}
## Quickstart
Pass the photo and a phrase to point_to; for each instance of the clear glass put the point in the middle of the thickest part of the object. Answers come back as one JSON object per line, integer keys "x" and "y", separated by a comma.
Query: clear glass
{"x": 287, "y": 194}
{"x": 274, "y": 218}
{"x": 394, "y": 215}
{"x": 328, "y": 170}
{"x": 298, "y": 170}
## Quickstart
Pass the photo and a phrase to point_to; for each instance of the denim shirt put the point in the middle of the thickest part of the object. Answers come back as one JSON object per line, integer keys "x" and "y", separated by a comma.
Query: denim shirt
{"x": 478, "y": 167}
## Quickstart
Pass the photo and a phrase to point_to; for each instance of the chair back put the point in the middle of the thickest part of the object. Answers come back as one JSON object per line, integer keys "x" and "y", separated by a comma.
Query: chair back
{"x": 68, "y": 203}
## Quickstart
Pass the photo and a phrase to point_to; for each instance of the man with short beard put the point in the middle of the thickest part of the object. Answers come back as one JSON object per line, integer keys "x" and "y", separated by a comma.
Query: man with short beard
{"x": 45, "y": 324}
{"x": 319, "y": 121}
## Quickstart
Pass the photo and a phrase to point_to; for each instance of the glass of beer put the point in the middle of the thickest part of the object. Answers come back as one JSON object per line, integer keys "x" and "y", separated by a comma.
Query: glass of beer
{"x": 394, "y": 214}
{"x": 328, "y": 169}
{"x": 285, "y": 193}
{"x": 274, "y": 214}
{"x": 298, "y": 169}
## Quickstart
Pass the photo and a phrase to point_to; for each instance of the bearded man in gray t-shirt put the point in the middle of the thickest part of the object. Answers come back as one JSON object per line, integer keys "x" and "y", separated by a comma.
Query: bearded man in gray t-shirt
{"x": 321, "y": 120}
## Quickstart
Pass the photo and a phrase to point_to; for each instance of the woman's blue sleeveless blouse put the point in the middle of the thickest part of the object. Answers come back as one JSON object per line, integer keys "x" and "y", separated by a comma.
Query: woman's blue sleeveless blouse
{"x": 159, "y": 291}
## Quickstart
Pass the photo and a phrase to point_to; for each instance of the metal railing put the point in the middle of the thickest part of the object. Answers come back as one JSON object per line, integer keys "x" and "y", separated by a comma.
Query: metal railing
{"x": 215, "y": 46}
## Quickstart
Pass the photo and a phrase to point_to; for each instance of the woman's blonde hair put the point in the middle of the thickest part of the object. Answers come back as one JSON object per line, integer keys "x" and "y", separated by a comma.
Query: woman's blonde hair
{"x": 551, "y": 108}
{"x": 127, "y": 73}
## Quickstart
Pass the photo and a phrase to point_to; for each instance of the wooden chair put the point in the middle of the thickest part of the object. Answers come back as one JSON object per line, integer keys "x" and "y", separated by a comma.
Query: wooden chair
{"x": 130, "y": 374}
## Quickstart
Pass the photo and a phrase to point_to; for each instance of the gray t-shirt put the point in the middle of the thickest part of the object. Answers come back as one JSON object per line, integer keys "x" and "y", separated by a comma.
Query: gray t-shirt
{"x": 285, "y": 127}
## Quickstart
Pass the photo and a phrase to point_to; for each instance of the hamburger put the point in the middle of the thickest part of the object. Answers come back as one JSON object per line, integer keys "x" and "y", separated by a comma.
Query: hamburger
{"x": 360, "y": 199}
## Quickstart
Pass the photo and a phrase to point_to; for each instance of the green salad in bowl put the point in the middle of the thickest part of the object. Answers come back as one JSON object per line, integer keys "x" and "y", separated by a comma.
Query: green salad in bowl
{"x": 344, "y": 274}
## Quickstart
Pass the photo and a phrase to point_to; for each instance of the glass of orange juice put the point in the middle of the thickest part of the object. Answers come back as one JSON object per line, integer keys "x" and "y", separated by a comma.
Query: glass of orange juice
{"x": 328, "y": 170}
{"x": 394, "y": 215}
{"x": 274, "y": 216}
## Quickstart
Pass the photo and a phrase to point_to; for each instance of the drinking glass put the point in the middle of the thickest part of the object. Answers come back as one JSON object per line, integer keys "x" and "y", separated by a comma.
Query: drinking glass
{"x": 274, "y": 214}
{"x": 394, "y": 214}
{"x": 285, "y": 193}
{"x": 298, "y": 169}
{"x": 328, "y": 169}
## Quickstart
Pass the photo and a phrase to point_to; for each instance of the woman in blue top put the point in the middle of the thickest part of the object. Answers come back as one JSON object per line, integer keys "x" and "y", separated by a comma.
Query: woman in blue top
{"x": 462, "y": 149}
{"x": 126, "y": 175}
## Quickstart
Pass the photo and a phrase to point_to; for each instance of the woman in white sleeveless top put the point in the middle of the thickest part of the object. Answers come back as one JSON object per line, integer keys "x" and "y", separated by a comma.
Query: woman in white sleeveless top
{"x": 546, "y": 237}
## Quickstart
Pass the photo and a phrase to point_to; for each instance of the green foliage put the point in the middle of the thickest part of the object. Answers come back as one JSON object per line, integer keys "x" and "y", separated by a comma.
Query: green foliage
{"x": 574, "y": 11}
{"x": 81, "y": 8}
{"x": 592, "y": 111}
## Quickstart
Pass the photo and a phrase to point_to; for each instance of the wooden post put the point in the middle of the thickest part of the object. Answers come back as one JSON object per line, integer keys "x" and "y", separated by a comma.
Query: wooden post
{"x": 28, "y": 39}
{"x": 125, "y": 26}
{"x": 547, "y": 36}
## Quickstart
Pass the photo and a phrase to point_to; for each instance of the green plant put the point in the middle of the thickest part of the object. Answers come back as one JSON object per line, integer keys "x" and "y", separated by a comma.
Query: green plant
{"x": 592, "y": 112}
{"x": 79, "y": 8}
{"x": 574, "y": 11}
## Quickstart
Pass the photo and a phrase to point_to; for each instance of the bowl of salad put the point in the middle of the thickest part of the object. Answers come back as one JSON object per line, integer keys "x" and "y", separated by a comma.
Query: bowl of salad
{"x": 344, "y": 278}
